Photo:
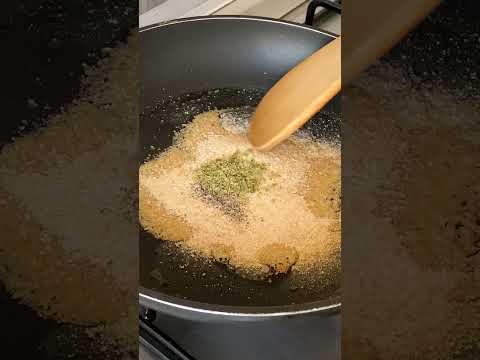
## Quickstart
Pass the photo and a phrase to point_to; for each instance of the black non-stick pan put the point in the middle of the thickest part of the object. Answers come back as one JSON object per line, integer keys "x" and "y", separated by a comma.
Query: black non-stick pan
{"x": 193, "y": 65}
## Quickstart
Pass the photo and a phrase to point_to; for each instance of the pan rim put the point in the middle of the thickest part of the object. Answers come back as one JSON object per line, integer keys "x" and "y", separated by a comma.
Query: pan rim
{"x": 234, "y": 17}
{"x": 162, "y": 302}
{"x": 166, "y": 303}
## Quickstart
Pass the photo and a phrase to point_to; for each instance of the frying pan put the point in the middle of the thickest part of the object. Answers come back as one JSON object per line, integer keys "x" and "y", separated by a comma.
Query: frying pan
{"x": 192, "y": 65}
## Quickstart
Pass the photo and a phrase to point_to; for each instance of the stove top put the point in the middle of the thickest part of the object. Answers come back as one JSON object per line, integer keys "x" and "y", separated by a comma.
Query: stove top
{"x": 291, "y": 10}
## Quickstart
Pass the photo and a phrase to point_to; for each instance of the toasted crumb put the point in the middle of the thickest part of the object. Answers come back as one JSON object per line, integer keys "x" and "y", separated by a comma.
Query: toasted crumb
{"x": 279, "y": 257}
{"x": 289, "y": 218}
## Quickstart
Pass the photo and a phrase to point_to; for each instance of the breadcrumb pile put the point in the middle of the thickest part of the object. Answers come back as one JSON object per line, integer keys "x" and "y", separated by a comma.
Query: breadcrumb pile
{"x": 291, "y": 221}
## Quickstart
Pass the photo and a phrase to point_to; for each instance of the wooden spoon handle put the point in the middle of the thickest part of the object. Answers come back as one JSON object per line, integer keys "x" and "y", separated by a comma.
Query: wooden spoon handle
{"x": 297, "y": 96}
{"x": 306, "y": 88}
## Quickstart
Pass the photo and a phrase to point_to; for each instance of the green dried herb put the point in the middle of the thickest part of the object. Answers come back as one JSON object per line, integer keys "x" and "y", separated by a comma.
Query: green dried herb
{"x": 233, "y": 176}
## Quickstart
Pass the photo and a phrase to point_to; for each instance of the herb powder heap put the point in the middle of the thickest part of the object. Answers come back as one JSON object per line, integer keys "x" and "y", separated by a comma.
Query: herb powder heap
{"x": 234, "y": 176}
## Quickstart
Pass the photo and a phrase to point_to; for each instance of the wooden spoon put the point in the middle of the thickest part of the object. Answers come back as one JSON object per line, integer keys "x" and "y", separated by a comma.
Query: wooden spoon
{"x": 376, "y": 26}
{"x": 296, "y": 97}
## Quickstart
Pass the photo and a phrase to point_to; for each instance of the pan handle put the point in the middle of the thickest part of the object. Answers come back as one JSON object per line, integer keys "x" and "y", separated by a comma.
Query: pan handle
{"x": 329, "y": 5}
{"x": 157, "y": 342}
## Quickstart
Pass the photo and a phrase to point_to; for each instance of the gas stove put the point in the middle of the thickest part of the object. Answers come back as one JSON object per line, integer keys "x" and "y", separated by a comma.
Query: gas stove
{"x": 167, "y": 337}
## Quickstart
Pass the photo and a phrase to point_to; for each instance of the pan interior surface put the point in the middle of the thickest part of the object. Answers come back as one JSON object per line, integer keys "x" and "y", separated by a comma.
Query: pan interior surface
{"x": 190, "y": 66}
{"x": 166, "y": 269}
